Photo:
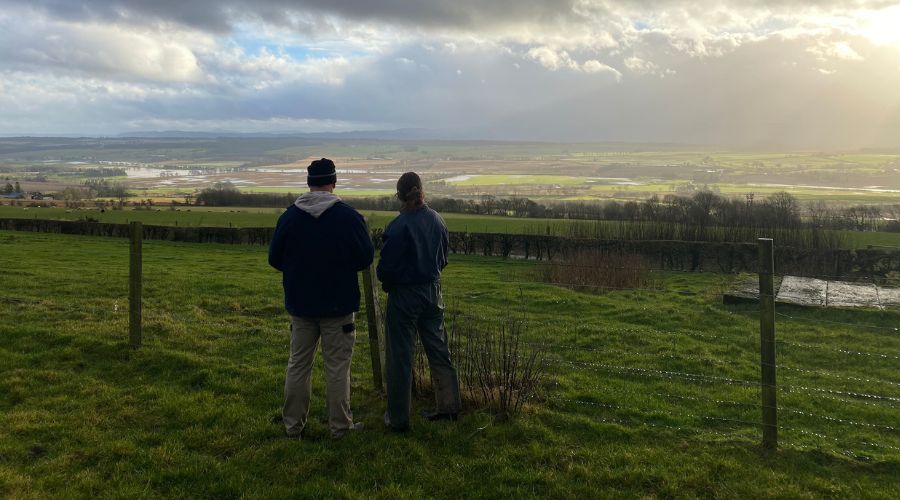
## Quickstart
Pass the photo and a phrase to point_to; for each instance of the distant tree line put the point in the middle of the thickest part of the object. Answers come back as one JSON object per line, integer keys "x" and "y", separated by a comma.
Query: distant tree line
{"x": 97, "y": 172}
{"x": 701, "y": 210}
{"x": 9, "y": 188}
{"x": 226, "y": 194}
{"x": 104, "y": 188}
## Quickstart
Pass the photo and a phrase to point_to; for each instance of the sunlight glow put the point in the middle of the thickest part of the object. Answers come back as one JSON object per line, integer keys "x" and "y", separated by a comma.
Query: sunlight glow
{"x": 883, "y": 26}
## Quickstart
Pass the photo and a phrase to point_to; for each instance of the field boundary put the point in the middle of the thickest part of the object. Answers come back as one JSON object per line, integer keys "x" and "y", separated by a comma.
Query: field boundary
{"x": 665, "y": 254}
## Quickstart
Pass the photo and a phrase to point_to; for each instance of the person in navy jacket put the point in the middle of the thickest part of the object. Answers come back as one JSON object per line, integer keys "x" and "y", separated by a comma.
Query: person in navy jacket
{"x": 412, "y": 258}
{"x": 319, "y": 245}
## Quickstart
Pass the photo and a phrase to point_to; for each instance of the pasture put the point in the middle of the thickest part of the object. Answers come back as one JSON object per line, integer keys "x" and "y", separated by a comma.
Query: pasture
{"x": 644, "y": 392}
{"x": 266, "y": 217}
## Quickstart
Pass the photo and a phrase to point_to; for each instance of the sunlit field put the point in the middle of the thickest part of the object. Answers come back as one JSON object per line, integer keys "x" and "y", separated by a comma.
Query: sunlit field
{"x": 635, "y": 402}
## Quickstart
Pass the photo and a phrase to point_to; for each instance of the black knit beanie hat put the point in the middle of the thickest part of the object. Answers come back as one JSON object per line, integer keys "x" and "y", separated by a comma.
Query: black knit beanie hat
{"x": 321, "y": 173}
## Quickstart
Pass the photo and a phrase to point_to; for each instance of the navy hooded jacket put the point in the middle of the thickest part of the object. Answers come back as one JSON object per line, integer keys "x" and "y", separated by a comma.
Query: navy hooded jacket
{"x": 415, "y": 249}
{"x": 319, "y": 259}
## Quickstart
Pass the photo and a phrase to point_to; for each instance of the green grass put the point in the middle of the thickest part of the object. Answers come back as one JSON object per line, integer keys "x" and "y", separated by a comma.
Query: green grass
{"x": 862, "y": 239}
{"x": 652, "y": 187}
{"x": 298, "y": 190}
{"x": 176, "y": 191}
{"x": 517, "y": 180}
{"x": 360, "y": 193}
{"x": 193, "y": 413}
{"x": 183, "y": 216}
{"x": 811, "y": 193}
{"x": 260, "y": 217}
{"x": 263, "y": 217}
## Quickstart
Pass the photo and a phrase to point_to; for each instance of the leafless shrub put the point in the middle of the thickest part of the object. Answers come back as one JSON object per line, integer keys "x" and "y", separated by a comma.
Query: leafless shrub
{"x": 498, "y": 371}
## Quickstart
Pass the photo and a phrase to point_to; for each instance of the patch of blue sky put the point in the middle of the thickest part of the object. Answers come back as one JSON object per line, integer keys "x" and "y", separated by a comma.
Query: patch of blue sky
{"x": 641, "y": 25}
{"x": 252, "y": 45}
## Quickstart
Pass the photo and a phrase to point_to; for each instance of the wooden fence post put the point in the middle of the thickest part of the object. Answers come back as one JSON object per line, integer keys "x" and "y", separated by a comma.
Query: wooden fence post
{"x": 767, "y": 343}
{"x": 374, "y": 319}
{"x": 134, "y": 283}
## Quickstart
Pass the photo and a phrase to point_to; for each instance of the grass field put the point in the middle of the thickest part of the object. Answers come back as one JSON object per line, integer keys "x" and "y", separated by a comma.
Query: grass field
{"x": 193, "y": 413}
{"x": 263, "y": 217}
{"x": 177, "y": 194}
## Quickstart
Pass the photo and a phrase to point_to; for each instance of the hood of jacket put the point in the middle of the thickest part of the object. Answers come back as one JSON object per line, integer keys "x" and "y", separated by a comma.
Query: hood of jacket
{"x": 315, "y": 203}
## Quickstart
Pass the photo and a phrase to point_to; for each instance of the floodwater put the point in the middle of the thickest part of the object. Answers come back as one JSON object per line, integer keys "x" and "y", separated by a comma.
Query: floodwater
{"x": 152, "y": 173}
{"x": 303, "y": 170}
{"x": 871, "y": 189}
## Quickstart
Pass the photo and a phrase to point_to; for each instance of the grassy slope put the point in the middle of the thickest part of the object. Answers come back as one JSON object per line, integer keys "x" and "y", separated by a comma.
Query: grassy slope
{"x": 191, "y": 413}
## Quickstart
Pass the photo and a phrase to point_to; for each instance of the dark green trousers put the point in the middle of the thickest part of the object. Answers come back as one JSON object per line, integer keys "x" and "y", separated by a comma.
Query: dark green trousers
{"x": 413, "y": 309}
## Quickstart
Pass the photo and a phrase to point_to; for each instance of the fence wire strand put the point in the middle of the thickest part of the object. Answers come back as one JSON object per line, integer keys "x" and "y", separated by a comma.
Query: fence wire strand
{"x": 678, "y": 384}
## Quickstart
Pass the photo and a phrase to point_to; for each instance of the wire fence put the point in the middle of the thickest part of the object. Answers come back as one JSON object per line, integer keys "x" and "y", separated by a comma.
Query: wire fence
{"x": 832, "y": 395}
{"x": 691, "y": 381}
{"x": 701, "y": 381}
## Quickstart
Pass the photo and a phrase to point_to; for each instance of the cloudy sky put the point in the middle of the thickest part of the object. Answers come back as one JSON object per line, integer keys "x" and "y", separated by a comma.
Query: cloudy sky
{"x": 800, "y": 74}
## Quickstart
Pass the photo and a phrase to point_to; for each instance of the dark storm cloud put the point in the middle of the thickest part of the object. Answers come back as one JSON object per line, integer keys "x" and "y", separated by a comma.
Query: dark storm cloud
{"x": 219, "y": 15}
{"x": 676, "y": 71}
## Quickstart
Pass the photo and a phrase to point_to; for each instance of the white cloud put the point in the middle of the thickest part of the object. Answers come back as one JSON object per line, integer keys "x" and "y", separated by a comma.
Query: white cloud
{"x": 555, "y": 60}
{"x": 548, "y": 57}
{"x": 826, "y": 50}
{"x": 595, "y": 66}
{"x": 531, "y": 68}
{"x": 640, "y": 66}
{"x": 102, "y": 50}
{"x": 267, "y": 69}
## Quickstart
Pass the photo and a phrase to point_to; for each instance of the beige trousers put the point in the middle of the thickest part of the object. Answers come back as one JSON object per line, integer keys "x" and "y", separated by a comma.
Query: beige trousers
{"x": 337, "y": 351}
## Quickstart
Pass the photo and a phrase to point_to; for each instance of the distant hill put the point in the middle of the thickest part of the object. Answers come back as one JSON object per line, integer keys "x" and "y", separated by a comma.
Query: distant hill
{"x": 398, "y": 134}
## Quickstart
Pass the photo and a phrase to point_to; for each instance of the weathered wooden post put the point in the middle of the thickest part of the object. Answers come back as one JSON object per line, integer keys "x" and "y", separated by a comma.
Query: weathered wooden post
{"x": 374, "y": 320}
{"x": 767, "y": 343}
{"x": 134, "y": 280}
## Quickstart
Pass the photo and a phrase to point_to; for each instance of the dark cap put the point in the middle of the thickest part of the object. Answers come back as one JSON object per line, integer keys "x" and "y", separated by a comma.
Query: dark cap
{"x": 321, "y": 173}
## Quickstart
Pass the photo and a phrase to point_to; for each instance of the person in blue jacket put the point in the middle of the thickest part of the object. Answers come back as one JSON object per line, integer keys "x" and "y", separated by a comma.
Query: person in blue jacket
{"x": 412, "y": 258}
{"x": 319, "y": 245}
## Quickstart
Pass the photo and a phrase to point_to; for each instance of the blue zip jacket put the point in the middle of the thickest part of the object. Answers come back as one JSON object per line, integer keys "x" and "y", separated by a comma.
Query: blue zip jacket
{"x": 319, "y": 259}
{"x": 415, "y": 249}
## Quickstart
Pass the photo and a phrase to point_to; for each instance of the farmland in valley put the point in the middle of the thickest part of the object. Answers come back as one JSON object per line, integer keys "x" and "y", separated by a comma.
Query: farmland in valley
{"x": 175, "y": 168}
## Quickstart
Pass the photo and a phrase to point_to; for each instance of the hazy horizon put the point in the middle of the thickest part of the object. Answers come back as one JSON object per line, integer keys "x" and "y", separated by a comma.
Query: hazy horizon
{"x": 761, "y": 74}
